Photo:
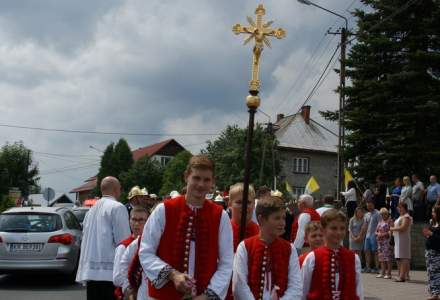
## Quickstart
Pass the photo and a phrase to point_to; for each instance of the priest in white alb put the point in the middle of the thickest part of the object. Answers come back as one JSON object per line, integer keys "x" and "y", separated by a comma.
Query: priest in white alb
{"x": 105, "y": 226}
{"x": 186, "y": 248}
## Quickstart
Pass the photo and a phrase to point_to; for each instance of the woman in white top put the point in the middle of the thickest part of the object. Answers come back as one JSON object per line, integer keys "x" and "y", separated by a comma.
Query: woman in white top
{"x": 350, "y": 198}
{"x": 405, "y": 195}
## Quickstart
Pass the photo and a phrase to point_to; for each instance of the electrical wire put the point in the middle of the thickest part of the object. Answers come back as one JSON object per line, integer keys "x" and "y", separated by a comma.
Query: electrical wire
{"x": 106, "y": 132}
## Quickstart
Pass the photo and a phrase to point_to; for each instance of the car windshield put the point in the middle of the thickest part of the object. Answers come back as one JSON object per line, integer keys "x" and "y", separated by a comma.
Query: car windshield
{"x": 80, "y": 214}
{"x": 30, "y": 222}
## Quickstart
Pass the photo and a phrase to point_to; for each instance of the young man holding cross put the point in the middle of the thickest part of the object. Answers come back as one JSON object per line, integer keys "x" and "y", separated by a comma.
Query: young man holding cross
{"x": 186, "y": 248}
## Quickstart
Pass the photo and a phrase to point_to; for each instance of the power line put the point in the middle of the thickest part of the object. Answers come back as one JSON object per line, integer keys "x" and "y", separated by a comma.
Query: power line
{"x": 106, "y": 132}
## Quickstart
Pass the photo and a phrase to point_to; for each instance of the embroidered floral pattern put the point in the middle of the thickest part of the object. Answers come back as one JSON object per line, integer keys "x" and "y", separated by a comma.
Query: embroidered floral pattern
{"x": 211, "y": 294}
{"x": 163, "y": 277}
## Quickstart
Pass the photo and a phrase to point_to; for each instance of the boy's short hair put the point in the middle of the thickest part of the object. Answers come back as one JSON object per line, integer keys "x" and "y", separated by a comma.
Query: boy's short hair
{"x": 139, "y": 209}
{"x": 332, "y": 215}
{"x": 238, "y": 188}
{"x": 312, "y": 226}
{"x": 268, "y": 206}
{"x": 263, "y": 190}
{"x": 202, "y": 162}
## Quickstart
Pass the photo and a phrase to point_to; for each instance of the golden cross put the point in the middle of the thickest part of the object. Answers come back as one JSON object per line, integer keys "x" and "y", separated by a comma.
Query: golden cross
{"x": 258, "y": 31}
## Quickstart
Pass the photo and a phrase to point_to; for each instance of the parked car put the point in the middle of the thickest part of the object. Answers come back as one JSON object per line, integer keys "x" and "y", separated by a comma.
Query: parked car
{"x": 39, "y": 239}
{"x": 80, "y": 213}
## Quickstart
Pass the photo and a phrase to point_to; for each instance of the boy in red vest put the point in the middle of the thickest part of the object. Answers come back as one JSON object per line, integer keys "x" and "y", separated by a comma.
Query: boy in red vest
{"x": 266, "y": 266}
{"x": 307, "y": 214}
{"x": 235, "y": 201}
{"x": 314, "y": 238}
{"x": 138, "y": 217}
{"x": 186, "y": 247}
{"x": 332, "y": 271}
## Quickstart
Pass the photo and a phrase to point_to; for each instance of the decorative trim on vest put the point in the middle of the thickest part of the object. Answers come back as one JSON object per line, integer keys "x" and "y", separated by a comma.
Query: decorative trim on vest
{"x": 328, "y": 263}
{"x": 264, "y": 259}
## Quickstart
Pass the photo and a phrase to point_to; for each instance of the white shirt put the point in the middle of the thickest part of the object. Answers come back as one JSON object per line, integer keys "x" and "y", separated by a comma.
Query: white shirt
{"x": 126, "y": 260}
{"x": 105, "y": 225}
{"x": 153, "y": 265}
{"x": 323, "y": 209}
{"x": 118, "y": 273}
{"x": 307, "y": 273}
{"x": 241, "y": 289}
{"x": 303, "y": 220}
{"x": 350, "y": 195}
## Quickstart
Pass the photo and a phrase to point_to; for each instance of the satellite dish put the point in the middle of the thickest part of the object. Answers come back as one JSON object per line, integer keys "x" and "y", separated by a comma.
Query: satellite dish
{"x": 48, "y": 194}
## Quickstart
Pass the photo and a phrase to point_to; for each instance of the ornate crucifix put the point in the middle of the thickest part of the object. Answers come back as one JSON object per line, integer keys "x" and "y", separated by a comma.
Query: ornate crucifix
{"x": 259, "y": 32}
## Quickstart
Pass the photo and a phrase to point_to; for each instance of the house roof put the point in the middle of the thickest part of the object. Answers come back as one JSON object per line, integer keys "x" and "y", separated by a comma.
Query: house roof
{"x": 295, "y": 133}
{"x": 38, "y": 199}
{"x": 152, "y": 149}
{"x": 88, "y": 185}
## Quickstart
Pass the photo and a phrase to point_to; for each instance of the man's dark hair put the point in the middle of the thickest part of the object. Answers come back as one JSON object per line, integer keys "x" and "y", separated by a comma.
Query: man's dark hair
{"x": 329, "y": 199}
{"x": 262, "y": 190}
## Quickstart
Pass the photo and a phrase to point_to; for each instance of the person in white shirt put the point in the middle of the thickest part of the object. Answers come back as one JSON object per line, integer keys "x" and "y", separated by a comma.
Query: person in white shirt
{"x": 138, "y": 218}
{"x": 266, "y": 266}
{"x": 105, "y": 226}
{"x": 186, "y": 247}
{"x": 328, "y": 204}
{"x": 350, "y": 198}
{"x": 307, "y": 214}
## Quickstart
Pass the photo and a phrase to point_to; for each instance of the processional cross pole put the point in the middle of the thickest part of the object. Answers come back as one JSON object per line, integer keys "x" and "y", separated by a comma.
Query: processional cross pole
{"x": 259, "y": 32}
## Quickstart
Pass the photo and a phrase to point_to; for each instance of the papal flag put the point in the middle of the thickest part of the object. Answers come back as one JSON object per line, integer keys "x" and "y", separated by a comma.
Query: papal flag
{"x": 311, "y": 186}
{"x": 288, "y": 187}
{"x": 347, "y": 177}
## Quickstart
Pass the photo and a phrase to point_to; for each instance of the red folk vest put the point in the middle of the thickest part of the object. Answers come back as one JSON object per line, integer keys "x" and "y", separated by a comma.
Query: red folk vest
{"x": 321, "y": 288}
{"x": 301, "y": 258}
{"x": 251, "y": 230}
{"x": 276, "y": 256}
{"x": 118, "y": 290}
{"x": 314, "y": 216}
{"x": 174, "y": 244}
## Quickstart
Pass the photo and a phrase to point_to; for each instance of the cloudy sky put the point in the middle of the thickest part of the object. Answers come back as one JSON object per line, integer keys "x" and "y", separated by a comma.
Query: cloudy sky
{"x": 170, "y": 68}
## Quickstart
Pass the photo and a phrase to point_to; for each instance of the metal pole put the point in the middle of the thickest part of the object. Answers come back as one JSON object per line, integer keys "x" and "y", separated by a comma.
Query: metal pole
{"x": 247, "y": 169}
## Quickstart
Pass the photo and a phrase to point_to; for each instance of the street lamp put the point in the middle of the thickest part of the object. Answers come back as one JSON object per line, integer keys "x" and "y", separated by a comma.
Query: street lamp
{"x": 341, "y": 135}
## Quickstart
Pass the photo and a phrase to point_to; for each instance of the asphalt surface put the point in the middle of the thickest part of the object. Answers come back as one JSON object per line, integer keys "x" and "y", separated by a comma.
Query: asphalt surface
{"x": 39, "y": 287}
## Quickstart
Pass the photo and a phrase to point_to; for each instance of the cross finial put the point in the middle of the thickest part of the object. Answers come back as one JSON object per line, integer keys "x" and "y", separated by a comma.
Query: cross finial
{"x": 259, "y": 32}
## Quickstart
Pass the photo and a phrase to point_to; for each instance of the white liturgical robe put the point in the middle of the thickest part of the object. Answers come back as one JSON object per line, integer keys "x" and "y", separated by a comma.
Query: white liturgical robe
{"x": 307, "y": 273}
{"x": 241, "y": 289}
{"x": 105, "y": 225}
{"x": 157, "y": 270}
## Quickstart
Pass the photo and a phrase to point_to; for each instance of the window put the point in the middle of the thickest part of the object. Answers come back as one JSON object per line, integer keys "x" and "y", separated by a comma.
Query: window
{"x": 164, "y": 160}
{"x": 71, "y": 221}
{"x": 30, "y": 222}
{"x": 298, "y": 190}
{"x": 300, "y": 165}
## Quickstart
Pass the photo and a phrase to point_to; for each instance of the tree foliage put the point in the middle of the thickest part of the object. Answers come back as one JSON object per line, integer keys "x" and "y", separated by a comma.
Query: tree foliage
{"x": 145, "y": 172}
{"x": 173, "y": 173}
{"x": 115, "y": 160}
{"x": 17, "y": 169}
{"x": 393, "y": 101}
{"x": 228, "y": 150}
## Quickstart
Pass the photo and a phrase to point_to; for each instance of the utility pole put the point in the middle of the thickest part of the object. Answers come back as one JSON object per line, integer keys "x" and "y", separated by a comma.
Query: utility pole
{"x": 341, "y": 135}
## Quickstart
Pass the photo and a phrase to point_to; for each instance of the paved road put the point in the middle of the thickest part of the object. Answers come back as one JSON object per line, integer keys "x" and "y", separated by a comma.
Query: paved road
{"x": 43, "y": 287}
{"x": 39, "y": 287}
{"x": 385, "y": 289}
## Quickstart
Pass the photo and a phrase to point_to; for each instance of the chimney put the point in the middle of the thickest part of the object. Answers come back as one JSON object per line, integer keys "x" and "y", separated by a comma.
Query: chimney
{"x": 305, "y": 113}
{"x": 279, "y": 117}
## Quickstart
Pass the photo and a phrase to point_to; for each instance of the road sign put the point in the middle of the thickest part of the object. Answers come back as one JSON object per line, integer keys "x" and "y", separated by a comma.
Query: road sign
{"x": 48, "y": 194}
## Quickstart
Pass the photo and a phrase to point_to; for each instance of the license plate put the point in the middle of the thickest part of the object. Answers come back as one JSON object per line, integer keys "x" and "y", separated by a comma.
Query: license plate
{"x": 21, "y": 247}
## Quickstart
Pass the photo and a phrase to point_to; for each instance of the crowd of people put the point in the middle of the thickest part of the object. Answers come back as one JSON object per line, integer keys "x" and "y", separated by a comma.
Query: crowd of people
{"x": 188, "y": 246}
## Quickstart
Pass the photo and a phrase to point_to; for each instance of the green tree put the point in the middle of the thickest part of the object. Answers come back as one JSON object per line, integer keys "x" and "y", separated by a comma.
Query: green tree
{"x": 122, "y": 157}
{"x": 145, "y": 172}
{"x": 393, "y": 101}
{"x": 228, "y": 149}
{"x": 17, "y": 169}
{"x": 173, "y": 173}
